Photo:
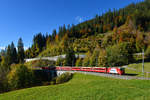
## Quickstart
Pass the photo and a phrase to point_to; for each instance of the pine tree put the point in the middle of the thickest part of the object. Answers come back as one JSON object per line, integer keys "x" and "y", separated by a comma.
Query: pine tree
{"x": 21, "y": 54}
{"x": 13, "y": 53}
{"x": 39, "y": 41}
{"x": 9, "y": 55}
{"x": 54, "y": 34}
{"x": 70, "y": 58}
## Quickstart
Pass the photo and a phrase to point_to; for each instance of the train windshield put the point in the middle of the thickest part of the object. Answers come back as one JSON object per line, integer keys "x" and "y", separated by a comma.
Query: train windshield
{"x": 122, "y": 69}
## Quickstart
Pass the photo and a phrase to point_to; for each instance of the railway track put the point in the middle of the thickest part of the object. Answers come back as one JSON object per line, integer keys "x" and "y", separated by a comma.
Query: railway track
{"x": 125, "y": 77}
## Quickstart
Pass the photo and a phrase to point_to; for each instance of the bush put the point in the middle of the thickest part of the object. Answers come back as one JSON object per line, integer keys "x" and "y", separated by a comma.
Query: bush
{"x": 20, "y": 77}
{"x": 63, "y": 78}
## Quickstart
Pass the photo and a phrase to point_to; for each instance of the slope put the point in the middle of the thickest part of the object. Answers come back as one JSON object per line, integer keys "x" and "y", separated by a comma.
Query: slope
{"x": 85, "y": 87}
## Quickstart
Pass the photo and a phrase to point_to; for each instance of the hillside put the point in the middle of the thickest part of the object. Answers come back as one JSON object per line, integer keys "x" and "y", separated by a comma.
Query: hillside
{"x": 87, "y": 35}
{"x": 85, "y": 87}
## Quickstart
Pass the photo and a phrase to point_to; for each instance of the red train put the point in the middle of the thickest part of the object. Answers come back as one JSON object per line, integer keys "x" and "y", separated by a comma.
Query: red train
{"x": 111, "y": 70}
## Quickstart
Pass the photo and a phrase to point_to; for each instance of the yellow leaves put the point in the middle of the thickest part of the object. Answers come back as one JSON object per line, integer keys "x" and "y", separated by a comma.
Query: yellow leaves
{"x": 57, "y": 38}
{"x": 102, "y": 58}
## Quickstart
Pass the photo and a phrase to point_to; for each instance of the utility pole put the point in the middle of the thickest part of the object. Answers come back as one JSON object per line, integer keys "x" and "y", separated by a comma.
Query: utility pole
{"x": 143, "y": 63}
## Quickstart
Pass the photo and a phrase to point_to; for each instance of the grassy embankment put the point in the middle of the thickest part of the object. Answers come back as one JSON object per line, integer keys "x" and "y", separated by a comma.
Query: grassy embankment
{"x": 85, "y": 87}
{"x": 137, "y": 69}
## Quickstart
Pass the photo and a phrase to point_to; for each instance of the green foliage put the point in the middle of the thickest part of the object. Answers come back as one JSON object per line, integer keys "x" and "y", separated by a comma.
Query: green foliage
{"x": 140, "y": 42}
{"x": 40, "y": 43}
{"x": 13, "y": 53}
{"x": 86, "y": 44}
{"x": 20, "y": 77}
{"x": 9, "y": 56}
{"x": 59, "y": 62}
{"x": 102, "y": 59}
{"x": 94, "y": 57}
{"x": 43, "y": 76}
{"x": 120, "y": 54}
{"x": 4, "y": 62}
{"x": 21, "y": 54}
{"x": 63, "y": 78}
{"x": 86, "y": 60}
{"x": 3, "y": 79}
{"x": 54, "y": 50}
{"x": 40, "y": 63}
{"x": 79, "y": 62}
{"x": 147, "y": 53}
{"x": 107, "y": 41}
{"x": 70, "y": 58}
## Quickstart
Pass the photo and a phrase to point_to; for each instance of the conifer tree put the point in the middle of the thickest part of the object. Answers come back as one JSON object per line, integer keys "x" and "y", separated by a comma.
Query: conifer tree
{"x": 13, "y": 53}
{"x": 70, "y": 58}
{"x": 8, "y": 55}
{"x": 21, "y": 54}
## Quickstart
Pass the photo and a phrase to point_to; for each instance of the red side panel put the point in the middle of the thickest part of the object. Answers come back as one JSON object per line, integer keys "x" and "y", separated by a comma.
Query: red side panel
{"x": 113, "y": 70}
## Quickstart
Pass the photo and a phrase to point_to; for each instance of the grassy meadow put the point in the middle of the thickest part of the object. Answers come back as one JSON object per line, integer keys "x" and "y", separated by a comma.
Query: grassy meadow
{"x": 85, "y": 87}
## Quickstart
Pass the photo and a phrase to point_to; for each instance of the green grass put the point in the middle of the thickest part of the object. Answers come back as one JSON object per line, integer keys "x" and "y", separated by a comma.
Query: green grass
{"x": 138, "y": 68}
{"x": 85, "y": 87}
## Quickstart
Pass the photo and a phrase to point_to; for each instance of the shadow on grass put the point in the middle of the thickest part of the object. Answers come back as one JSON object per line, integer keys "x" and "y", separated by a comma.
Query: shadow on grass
{"x": 130, "y": 74}
{"x": 140, "y": 60}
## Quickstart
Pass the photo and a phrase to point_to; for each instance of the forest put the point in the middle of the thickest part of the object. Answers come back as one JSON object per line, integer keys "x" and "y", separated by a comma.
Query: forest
{"x": 110, "y": 39}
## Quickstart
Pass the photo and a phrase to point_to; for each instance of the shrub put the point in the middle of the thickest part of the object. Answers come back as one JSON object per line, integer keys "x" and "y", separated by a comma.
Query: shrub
{"x": 20, "y": 77}
{"x": 63, "y": 78}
